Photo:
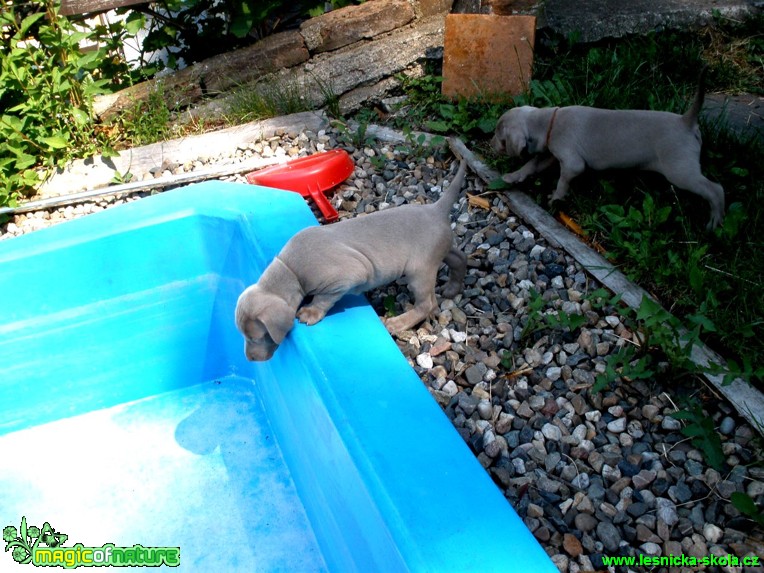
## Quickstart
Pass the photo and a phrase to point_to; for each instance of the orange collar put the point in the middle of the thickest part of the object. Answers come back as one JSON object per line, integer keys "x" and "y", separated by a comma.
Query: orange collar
{"x": 551, "y": 125}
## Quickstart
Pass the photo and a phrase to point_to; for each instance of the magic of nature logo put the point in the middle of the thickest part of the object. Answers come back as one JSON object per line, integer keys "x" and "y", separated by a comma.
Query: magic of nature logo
{"x": 44, "y": 547}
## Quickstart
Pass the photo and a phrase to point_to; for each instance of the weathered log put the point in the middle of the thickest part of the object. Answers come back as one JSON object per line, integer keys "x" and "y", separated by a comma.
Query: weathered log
{"x": 360, "y": 64}
{"x": 72, "y": 7}
{"x": 211, "y": 76}
{"x": 352, "y": 24}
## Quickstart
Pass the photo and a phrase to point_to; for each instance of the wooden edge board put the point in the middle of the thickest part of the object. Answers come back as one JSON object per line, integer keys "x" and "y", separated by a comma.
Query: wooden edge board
{"x": 747, "y": 400}
{"x": 138, "y": 186}
{"x": 99, "y": 171}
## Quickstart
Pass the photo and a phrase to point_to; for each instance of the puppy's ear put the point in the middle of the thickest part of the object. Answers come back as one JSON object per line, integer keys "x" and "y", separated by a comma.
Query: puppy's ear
{"x": 278, "y": 319}
{"x": 518, "y": 139}
{"x": 273, "y": 313}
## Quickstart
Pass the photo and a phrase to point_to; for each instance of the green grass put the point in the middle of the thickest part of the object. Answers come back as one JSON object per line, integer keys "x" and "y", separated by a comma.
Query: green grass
{"x": 281, "y": 97}
{"x": 653, "y": 232}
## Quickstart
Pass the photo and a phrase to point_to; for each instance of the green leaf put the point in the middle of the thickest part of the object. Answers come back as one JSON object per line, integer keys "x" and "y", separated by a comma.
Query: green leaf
{"x": 28, "y": 22}
{"x": 242, "y": 22}
{"x": 744, "y": 504}
{"x": 487, "y": 125}
{"x": 648, "y": 309}
{"x": 89, "y": 60}
{"x": 55, "y": 141}
{"x": 24, "y": 160}
{"x": 498, "y": 183}
{"x": 662, "y": 215}
{"x": 697, "y": 279}
{"x": 703, "y": 322}
{"x": 700, "y": 428}
{"x": 438, "y": 126}
{"x": 447, "y": 110}
{"x": 30, "y": 177}
{"x": 80, "y": 116}
{"x": 134, "y": 22}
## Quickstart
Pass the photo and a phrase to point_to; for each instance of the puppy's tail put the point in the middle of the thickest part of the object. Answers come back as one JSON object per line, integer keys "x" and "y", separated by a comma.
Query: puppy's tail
{"x": 450, "y": 195}
{"x": 691, "y": 115}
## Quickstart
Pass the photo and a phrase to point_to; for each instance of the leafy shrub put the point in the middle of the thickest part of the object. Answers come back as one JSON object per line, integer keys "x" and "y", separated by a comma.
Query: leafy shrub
{"x": 46, "y": 85}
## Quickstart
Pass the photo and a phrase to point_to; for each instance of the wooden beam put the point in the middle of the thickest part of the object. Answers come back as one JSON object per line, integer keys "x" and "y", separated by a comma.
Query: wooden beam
{"x": 138, "y": 186}
{"x": 72, "y": 7}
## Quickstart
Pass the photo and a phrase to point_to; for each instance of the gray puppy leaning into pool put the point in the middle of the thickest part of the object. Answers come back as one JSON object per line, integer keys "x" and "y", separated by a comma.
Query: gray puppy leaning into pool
{"x": 353, "y": 256}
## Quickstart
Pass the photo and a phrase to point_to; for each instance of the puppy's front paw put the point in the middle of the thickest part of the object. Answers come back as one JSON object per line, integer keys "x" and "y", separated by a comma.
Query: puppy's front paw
{"x": 514, "y": 177}
{"x": 555, "y": 199}
{"x": 310, "y": 315}
{"x": 397, "y": 324}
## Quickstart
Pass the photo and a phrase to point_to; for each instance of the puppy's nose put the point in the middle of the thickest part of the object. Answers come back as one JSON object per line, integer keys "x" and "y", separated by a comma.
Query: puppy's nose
{"x": 253, "y": 356}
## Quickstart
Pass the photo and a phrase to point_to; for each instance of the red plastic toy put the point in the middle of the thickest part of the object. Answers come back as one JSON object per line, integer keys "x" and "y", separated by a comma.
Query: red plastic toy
{"x": 309, "y": 176}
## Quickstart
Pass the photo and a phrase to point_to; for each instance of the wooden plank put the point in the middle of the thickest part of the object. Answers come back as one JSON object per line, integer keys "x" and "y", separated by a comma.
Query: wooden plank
{"x": 746, "y": 399}
{"x": 138, "y": 186}
{"x": 72, "y": 7}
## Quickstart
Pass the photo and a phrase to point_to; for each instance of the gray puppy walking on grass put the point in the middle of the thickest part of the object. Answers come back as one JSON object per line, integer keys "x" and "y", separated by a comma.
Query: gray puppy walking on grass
{"x": 580, "y": 137}
{"x": 354, "y": 256}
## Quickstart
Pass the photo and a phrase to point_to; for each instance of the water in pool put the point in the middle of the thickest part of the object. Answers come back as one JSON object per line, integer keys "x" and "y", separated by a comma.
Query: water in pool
{"x": 197, "y": 468}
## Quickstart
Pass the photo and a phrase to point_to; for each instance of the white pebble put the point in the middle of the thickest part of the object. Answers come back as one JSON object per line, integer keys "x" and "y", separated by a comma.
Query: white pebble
{"x": 424, "y": 360}
{"x": 712, "y": 533}
{"x": 551, "y": 432}
{"x": 457, "y": 336}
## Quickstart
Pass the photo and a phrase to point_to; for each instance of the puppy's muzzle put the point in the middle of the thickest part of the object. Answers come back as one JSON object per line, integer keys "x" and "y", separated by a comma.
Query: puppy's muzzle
{"x": 261, "y": 351}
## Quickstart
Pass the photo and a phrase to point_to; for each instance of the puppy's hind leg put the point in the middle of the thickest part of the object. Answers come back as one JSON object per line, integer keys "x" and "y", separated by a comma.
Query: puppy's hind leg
{"x": 457, "y": 268}
{"x": 691, "y": 179}
{"x": 422, "y": 286}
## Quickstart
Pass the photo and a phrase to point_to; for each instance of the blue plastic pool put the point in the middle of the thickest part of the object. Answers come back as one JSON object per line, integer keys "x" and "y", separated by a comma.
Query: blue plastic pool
{"x": 128, "y": 414}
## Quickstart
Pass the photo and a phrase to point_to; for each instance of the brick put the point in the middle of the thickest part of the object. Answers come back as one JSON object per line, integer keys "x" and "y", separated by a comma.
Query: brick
{"x": 488, "y": 55}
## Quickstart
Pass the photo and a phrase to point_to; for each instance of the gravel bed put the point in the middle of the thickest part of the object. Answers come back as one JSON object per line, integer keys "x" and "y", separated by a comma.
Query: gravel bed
{"x": 591, "y": 474}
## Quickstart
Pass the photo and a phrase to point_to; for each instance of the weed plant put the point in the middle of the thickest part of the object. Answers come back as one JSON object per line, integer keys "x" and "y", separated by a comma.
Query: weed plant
{"x": 46, "y": 85}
